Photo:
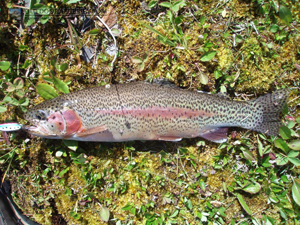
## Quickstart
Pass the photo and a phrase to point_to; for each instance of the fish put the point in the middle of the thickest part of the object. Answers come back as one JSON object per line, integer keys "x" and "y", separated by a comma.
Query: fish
{"x": 151, "y": 111}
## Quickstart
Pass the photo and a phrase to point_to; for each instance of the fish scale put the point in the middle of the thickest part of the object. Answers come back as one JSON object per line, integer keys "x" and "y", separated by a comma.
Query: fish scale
{"x": 144, "y": 111}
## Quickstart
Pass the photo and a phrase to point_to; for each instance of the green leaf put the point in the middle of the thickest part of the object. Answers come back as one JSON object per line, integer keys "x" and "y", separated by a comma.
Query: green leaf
{"x": 27, "y": 63}
{"x": 296, "y": 192}
{"x": 141, "y": 67}
{"x": 75, "y": 215}
{"x": 152, "y": 4}
{"x": 274, "y": 28}
{"x": 3, "y": 109}
{"x": 23, "y": 47}
{"x": 285, "y": 132}
{"x": 260, "y": 147}
{"x": 24, "y": 101}
{"x": 293, "y": 154}
{"x": 279, "y": 143}
{"x": 203, "y": 79}
{"x": 218, "y": 74}
{"x": 46, "y": 91}
{"x": 285, "y": 14}
{"x": 42, "y": 9}
{"x": 44, "y": 19}
{"x": 160, "y": 37}
{"x": 177, "y": 5}
{"x": 129, "y": 208}
{"x": 94, "y": 31}
{"x": 71, "y": 144}
{"x": 248, "y": 155}
{"x": 4, "y": 65}
{"x": 202, "y": 20}
{"x": 208, "y": 56}
{"x": 63, "y": 172}
{"x": 281, "y": 160}
{"x": 291, "y": 124}
{"x": 10, "y": 87}
{"x": 145, "y": 57}
{"x": 295, "y": 161}
{"x": 265, "y": 161}
{"x": 243, "y": 204}
{"x": 60, "y": 85}
{"x": 252, "y": 188}
{"x": 29, "y": 17}
{"x": 136, "y": 59}
{"x": 19, "y": 83}
{"x": 32, "y": 3}
{"x": 175, "y": 213}
{"x": 63, "y": 67}
{"x": 202, "y": 185}
{"x": 295, "y": 145}
{"x": 188, "y": 203}
{"x": 73, "y": 1}
{"x": 166, "y": 4}
{"x": 104, "y": 214}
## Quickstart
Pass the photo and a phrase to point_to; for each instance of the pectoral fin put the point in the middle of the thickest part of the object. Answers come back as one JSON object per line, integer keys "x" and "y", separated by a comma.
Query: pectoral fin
{"x": 218, "y": 135}
{"x": 94, "y": 130}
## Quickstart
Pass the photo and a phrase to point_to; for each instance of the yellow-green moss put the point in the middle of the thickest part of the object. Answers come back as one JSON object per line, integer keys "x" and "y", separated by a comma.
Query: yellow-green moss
{"x": 254, "y": 66}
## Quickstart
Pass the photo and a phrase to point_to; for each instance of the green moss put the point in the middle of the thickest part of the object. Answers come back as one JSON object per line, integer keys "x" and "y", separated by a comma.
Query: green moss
{"x": 155, "y": 182}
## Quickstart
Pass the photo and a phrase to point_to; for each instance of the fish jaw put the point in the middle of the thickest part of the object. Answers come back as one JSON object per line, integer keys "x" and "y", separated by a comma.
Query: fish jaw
{"x": 40, "y": 129}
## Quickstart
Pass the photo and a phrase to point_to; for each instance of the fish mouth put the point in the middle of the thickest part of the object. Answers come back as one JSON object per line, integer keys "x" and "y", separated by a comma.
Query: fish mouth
{"x": 38, "y": 129}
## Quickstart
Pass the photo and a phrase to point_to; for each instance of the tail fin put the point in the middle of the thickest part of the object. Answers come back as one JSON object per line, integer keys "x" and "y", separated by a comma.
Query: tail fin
{"x": 271, "y": 105}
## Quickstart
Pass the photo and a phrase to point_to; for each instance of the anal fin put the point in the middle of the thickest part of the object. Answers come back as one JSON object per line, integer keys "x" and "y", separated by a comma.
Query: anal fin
{"x": 169, "y": 138}
{"x": 94, "y": 130}
{"x": 218, "y": 135}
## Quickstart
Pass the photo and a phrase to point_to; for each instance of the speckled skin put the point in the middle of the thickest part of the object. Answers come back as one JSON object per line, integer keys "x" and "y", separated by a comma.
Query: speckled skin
{"x": 143, "y": 111}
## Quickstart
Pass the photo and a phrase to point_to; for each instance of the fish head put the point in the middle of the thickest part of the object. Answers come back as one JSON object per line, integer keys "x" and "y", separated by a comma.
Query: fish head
{"x": 46, "y": 123}
{"x": 52, "y": 122}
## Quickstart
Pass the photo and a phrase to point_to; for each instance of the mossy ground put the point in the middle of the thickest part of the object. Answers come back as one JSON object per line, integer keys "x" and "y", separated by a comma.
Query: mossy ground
{"x": 157, "y": 182}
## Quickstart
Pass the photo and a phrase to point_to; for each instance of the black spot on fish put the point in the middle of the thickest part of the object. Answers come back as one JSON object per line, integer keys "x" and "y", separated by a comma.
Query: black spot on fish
{"x": 127, "y": 125}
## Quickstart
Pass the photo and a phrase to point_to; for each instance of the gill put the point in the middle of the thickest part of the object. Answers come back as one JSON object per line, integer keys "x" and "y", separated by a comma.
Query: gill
{"x": 65, "y": 123}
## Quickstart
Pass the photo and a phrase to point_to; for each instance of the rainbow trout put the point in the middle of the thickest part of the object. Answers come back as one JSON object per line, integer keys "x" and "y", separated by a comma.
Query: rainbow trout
{"x": 143, "y": 111}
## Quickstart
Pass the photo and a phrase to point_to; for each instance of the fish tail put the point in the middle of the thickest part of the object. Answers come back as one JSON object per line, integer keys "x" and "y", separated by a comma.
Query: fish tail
{"x": 270, "y": 106}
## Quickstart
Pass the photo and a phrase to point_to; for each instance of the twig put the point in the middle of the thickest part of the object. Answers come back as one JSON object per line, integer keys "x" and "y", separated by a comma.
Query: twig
{"x": 115, "y": 42}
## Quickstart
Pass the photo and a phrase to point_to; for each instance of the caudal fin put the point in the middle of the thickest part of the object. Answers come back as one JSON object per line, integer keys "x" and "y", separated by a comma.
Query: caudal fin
{"x": 272, "y": 105}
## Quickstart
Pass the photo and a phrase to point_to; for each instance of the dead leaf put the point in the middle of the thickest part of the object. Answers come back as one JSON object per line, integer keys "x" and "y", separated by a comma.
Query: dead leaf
{"x": 110, "y": 18}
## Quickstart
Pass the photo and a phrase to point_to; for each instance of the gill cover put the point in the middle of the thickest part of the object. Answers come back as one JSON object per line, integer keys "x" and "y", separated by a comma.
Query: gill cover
{"x": 62, "y": 123}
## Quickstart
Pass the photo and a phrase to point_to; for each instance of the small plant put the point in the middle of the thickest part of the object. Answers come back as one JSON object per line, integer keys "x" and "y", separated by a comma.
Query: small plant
{"x": 140, "y": 61}
{"x": 15, "y": 95}
{"x": 176, "y": 38}
{"x": 46, "y": 91}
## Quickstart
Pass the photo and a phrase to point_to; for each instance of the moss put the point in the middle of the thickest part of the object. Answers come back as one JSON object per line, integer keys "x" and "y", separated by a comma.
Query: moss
{"x": 115, "y": 175}
{"x": 225, "y": 57}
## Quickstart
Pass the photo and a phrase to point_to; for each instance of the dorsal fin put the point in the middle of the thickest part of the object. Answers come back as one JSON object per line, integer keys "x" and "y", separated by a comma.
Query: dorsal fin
{"x": 164, "y": 82}
{"x": 223, "y": 95}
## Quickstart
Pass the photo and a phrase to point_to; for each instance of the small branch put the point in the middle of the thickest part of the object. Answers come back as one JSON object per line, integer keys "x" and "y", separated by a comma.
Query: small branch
{"x": 115, "y": 42}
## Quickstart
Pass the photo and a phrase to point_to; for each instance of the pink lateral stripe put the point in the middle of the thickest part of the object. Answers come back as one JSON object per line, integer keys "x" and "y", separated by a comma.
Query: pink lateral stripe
{"x": 158, "y": 112}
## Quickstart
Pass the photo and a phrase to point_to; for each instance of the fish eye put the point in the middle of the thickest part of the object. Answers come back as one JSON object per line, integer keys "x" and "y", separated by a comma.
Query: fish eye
{"x": 40, "y": 115}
